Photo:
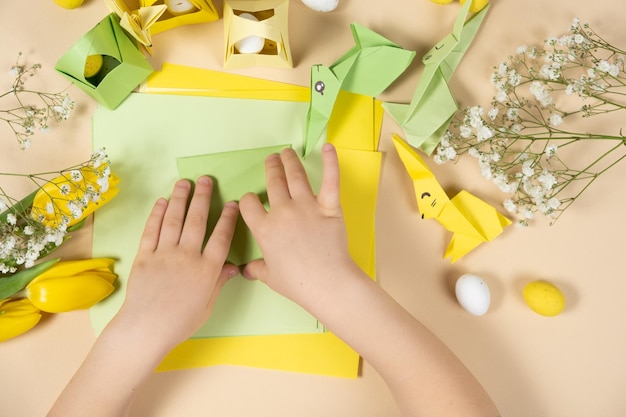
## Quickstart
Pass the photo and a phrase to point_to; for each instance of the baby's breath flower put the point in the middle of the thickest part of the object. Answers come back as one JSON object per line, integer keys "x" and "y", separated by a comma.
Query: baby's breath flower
{"x": 28, "y": 111}
{"x": 509, "y": 205}
{"x": 29, "y": 231}
{"x": 555, "y": 119}
{"x": 11, "y": 219}
{"x": 551, "y": 151}
{"x": 517, "y": 142}
{"x": 76, "y": 175}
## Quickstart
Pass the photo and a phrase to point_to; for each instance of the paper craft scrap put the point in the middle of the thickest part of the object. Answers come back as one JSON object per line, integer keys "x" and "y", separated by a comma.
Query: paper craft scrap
{"x": 181, "y": 13}
{"x": 270, "y": 23}
{"x": 368, "y": 68}
{"x": 319, "y": 354}
{"x": 124, "y": 66}
{"x": 137, "y": 23}
{"x": 427, "y": 117}
{"x": 355, "y": 122}
{"x": 190, "y": 81}
{"x": 471, "y": 220}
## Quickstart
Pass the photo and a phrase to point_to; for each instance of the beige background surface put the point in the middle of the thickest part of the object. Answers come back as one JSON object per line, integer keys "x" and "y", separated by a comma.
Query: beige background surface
{"x": 572, "y": 365}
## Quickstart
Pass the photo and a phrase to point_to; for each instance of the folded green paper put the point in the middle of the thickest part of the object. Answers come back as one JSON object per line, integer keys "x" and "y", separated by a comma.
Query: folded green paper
{"x": 368, "y": 68}
{"x": 427, "y": 117}
{"x": 124, "y": 66}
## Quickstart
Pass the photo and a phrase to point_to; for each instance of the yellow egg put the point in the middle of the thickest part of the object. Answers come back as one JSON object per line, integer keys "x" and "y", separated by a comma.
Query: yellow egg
{"x": 544, "y": 298}
{"x": 93, "y": 65}
{"x": 69, "y": 4}
{"x": 477, "y": 5}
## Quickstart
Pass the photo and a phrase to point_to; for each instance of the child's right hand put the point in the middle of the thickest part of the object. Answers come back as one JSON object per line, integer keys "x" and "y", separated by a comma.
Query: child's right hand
{"x": 303, "y": 237}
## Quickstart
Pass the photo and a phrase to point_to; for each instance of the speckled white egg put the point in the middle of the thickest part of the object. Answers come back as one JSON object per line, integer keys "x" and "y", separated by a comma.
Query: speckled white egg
{"x": 250, "y": 44}
{"x": 321, "y": 5}
{"x": 473, "y": 294}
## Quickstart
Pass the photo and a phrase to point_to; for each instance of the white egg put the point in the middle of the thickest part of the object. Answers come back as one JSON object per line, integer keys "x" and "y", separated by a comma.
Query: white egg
{"x": 473, "y": 294}
{"x": 250, "y": 44}
{"x": 180, "y": 7}
{"x": 321, "y": 5}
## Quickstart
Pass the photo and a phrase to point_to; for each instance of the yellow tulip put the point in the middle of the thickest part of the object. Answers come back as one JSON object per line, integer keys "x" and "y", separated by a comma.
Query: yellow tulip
{"x": 477, "y": 5}
{"x": 17, "y": 317}
{"x": 72, "y": 285}
{"x": 72, "y": 197}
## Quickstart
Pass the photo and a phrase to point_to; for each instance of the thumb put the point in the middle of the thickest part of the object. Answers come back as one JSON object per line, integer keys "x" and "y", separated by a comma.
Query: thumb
{"x": 228, "y": 271}
{"x": 255, "y": 270}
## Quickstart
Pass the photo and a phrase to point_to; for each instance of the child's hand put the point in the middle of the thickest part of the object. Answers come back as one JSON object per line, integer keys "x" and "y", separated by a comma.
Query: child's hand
{"x": 302, "y": 237}
{"x": 174, "y": 283}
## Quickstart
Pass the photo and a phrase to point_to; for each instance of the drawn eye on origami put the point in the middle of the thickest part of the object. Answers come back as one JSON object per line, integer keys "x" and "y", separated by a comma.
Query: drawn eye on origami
{"x": 432, "y": 204}
{"x": 320, "y": 86}
{"x": 438, "y": 47}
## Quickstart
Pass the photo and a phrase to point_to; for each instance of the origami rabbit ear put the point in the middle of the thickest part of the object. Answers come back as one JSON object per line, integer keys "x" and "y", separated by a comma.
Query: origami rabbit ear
{"x": 426, "y": 119}
{"x": 431, "y": 197}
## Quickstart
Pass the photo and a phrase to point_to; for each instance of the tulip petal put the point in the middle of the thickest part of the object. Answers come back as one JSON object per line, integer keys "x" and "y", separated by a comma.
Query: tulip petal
{"x": 17, "y": 317}
{"x": 69, "y": 293}
{"x": 70, "y": 268}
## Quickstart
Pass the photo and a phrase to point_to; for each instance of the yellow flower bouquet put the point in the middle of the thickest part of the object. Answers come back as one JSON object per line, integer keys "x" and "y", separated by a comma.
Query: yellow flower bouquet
{"x": 31, "y": 228}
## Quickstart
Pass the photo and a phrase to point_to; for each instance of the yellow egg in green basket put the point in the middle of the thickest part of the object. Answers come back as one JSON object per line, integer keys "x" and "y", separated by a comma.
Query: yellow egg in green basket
{"x": 69, "y": 4}
{"x": 93, "y": 65}
{"x": 544, "y": 298}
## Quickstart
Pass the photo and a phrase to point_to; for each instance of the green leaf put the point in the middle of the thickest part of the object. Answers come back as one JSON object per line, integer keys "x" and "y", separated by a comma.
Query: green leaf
{"x": 19, "y": 207}
{"x": 77, "y": 226}
{"x": 15, "y": 283}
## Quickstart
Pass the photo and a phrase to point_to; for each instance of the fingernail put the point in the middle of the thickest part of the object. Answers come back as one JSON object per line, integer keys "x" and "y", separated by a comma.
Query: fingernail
{"x": 231, "y": 204}
{"x": 183, "y": 184}
{"x": 204, "y": 180}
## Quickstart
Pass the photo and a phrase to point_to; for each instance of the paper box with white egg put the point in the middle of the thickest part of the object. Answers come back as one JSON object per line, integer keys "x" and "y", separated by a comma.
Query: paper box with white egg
{"x": 180, "y": 13}
{"x": 105, "y": 63}
{"x": 256, "y": 34}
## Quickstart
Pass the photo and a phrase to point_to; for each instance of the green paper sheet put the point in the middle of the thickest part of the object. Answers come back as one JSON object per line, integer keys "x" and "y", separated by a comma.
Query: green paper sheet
{"x": 144, "y": 137}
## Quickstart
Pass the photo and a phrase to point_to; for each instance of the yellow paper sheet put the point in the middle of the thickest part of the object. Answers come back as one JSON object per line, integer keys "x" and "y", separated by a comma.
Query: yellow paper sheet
{"x": 190, "y": 81}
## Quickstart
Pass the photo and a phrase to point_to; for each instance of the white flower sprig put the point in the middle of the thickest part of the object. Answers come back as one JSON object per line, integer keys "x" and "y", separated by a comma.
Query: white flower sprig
{"x": 26, "y": 116}
{"x": 520, "y": 141}
{"x": 29, "y": 232}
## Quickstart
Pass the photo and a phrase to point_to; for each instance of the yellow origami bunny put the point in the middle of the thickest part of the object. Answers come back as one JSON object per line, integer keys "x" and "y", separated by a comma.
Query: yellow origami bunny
{"x": 471, "y": 220}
